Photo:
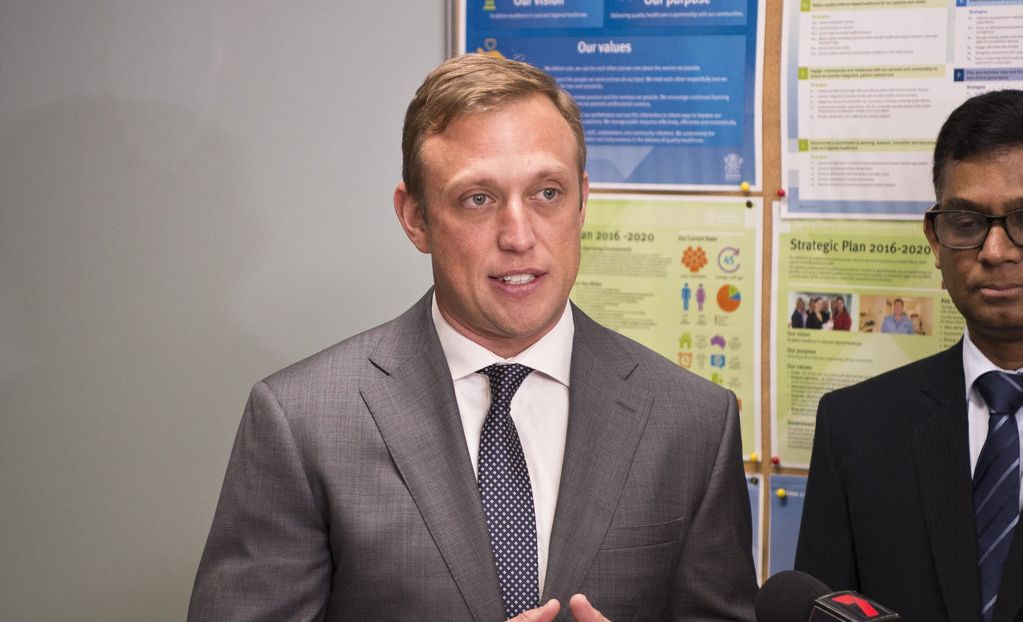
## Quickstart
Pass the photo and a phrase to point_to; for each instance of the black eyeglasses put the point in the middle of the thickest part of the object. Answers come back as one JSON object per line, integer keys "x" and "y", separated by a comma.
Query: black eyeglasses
{"x": 963, "y": 229}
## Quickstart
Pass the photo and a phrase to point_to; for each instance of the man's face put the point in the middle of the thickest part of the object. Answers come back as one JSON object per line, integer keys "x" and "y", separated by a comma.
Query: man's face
{"x": 897, "y": 308}
{"x": 503, "y": 216}
{"x": 986, "y": 283}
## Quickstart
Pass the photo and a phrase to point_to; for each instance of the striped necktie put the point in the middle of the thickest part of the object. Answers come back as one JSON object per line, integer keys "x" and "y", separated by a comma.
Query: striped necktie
{"x": 996, "y": 481}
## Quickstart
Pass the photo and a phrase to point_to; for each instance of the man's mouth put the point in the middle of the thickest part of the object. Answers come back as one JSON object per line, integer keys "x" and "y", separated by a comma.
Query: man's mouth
{"x": 518, "y": 279}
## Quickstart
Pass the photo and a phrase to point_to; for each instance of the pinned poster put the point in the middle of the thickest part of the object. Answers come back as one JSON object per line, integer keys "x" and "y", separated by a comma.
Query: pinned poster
{"x": 669, "y": 91}
{"x": 681, "y": 275}
{"x": 866, "y": 85}
{"x": 854, "y": 298}
{"x": 787, "y": 495}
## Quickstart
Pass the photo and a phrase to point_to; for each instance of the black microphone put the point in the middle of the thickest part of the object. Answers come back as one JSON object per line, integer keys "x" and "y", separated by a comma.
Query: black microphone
{"x": 793, "y": 596}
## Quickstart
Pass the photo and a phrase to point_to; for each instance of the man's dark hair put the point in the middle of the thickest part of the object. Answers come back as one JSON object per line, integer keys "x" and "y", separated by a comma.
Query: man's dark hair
{"x": 984, "y": 124}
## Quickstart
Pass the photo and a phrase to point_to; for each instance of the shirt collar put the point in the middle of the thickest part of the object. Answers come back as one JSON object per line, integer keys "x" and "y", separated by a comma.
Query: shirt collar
{"x": 975, "y": 364}
{"x": 551, "y": 355}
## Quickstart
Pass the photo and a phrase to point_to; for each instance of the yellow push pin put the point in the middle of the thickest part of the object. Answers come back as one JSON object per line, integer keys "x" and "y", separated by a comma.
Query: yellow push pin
{"x": 780, "y": 493}
{"x": 744, "y": 186}
{"x": 754, "y": 457}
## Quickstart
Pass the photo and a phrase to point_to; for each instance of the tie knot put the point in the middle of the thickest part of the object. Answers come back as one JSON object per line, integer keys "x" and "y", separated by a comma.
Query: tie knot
{"x": 505, "y": 380}
{"x": 1003, "y": 391}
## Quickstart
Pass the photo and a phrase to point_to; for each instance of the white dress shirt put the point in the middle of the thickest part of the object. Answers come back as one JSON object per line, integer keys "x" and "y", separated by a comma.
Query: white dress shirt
{"x": 975, "y": 364}
{"x": 539, "y": 409}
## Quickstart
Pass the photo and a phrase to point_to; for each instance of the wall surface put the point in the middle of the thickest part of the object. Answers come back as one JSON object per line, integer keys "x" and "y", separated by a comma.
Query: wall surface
{"x": 192, "y": 195}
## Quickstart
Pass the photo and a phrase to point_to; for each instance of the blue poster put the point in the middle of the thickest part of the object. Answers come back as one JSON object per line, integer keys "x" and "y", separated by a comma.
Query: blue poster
{"x": 787, "y": 493}
{"x": 668, "y": 89}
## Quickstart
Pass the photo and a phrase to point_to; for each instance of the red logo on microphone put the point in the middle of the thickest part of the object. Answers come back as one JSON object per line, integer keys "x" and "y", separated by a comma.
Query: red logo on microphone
{"x": 865, "y": 607}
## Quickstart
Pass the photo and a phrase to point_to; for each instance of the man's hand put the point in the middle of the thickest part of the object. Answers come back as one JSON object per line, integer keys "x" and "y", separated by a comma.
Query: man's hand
{"x": 579, "y": 605}
{"x": 583, "y": 611}
{"x": 543, "y": 613}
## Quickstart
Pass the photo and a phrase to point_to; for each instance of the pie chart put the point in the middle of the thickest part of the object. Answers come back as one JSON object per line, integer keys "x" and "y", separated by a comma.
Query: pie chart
{"x": 729, "y": 298}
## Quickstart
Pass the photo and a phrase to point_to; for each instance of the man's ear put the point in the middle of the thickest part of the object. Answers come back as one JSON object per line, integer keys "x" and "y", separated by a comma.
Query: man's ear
{"x": 410, "y": 215}
{"x": 933, "y": 241}
{"x": 584, "y": 196}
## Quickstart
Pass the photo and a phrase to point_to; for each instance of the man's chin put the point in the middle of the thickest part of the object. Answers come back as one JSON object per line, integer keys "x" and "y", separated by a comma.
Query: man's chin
{"x": 524, "y": 329}
{"x": 1005, "y": 325}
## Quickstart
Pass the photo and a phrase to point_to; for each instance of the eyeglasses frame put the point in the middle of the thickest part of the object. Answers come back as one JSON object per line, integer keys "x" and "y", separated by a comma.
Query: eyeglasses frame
{"x": 935, "y": 210}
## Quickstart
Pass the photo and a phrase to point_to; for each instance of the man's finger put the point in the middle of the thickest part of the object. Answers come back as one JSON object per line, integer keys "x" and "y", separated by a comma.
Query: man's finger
{"x": 583, "y": 611}
{"x": 544, "y": 613}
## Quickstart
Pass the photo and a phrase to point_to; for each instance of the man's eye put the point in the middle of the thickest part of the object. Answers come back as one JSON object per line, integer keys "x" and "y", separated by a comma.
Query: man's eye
{"x": 549, "y": 194}
{"x": 477, "y": 200}
{"x": 965, "y": 222}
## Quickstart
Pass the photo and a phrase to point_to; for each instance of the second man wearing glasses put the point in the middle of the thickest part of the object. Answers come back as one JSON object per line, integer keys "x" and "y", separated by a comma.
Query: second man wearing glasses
{"x": 914, "y": 493}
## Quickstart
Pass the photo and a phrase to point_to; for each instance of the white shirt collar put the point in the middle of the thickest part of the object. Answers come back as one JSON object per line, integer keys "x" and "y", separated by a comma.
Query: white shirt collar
{"x": 551, "y": 355}
{"x": 975, "y": 364}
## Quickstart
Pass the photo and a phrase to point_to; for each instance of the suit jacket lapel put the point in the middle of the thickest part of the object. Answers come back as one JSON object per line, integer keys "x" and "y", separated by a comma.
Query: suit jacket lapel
{"x": 413, "y": 404}
{"x": 942, "y": 456}
{"x": 606, "y": 420}
{"x": 1010, "y": 593}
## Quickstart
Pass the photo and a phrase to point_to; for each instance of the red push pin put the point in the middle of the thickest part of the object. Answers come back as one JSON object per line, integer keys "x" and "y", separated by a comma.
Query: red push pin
{"x": 775, "y": 460}
{"x": 781, "y": 192}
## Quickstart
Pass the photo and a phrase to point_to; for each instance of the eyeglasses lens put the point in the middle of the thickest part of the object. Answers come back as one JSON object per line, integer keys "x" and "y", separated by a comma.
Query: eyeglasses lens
{"x": 963, "y": 229}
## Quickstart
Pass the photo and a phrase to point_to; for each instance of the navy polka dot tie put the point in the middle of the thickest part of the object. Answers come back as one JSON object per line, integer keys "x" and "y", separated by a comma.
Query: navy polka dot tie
{"x": 506, "y": 494}
{"x": 996, "y": 482}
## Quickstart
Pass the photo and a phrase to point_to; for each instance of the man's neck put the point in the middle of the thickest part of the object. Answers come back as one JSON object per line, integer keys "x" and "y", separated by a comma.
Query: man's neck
{"x": 1005, "y": 351}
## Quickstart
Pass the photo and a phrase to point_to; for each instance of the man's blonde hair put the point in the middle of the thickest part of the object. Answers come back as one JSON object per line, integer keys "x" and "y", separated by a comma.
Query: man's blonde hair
{"x": 474, "y": 83}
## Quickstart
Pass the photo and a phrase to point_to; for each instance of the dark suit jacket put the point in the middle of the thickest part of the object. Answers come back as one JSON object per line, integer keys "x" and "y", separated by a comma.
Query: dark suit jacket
{"x": 889, "y": 506}
{"x": 350, "y": 494}
{"x": 798, "y": 319}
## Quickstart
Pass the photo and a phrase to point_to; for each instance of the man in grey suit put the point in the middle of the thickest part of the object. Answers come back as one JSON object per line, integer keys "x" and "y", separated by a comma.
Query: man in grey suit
{"x": 379, "y": 478}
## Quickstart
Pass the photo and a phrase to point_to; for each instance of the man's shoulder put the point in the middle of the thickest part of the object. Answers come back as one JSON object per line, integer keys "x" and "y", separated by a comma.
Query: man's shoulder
{"x": 879, "y": 396}
{"x": 351, "y": 359}
{"x": 653, "y": 372}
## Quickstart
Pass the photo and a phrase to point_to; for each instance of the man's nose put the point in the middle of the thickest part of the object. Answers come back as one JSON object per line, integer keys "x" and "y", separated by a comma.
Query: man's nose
{"x": 998, "y": 247}
{"x": 515, "y": 228}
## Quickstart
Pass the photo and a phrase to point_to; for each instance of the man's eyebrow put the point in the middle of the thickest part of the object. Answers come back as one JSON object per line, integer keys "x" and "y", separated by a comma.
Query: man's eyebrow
{"x": 968, "y": 205}
{"x": 462, "y": 181}
{"x": 489, "y": 181}
{"x": 958, "y": 203}
{"x": 554, "y": 172}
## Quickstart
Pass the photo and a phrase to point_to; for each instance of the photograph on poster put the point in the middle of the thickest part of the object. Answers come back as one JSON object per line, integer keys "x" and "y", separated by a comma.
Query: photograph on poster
{"x": 900, "y": 315}
{"x": 821, "y": 310}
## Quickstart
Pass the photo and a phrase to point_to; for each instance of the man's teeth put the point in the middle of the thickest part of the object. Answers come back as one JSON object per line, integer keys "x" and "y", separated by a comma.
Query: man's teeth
{"x": 518, "y": 279}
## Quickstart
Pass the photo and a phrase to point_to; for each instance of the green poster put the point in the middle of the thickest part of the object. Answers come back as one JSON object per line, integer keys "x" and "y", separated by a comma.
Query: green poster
{"x": 851, "y": 299}
{"x": 681, "y": 276}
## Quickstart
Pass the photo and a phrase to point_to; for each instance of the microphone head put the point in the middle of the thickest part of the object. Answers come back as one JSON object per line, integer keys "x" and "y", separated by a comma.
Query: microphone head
{"x": 788, "y": 597}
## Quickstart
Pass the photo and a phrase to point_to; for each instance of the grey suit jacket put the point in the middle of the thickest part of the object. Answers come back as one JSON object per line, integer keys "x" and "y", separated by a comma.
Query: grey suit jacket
{"x": 889, "y": 503}
{"x": 350, "y": 494}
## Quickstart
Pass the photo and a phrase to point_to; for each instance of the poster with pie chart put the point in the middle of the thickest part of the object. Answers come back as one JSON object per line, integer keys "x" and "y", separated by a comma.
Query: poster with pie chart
{"x": 680, "y": 275}
{"x": 729, "y": 298}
